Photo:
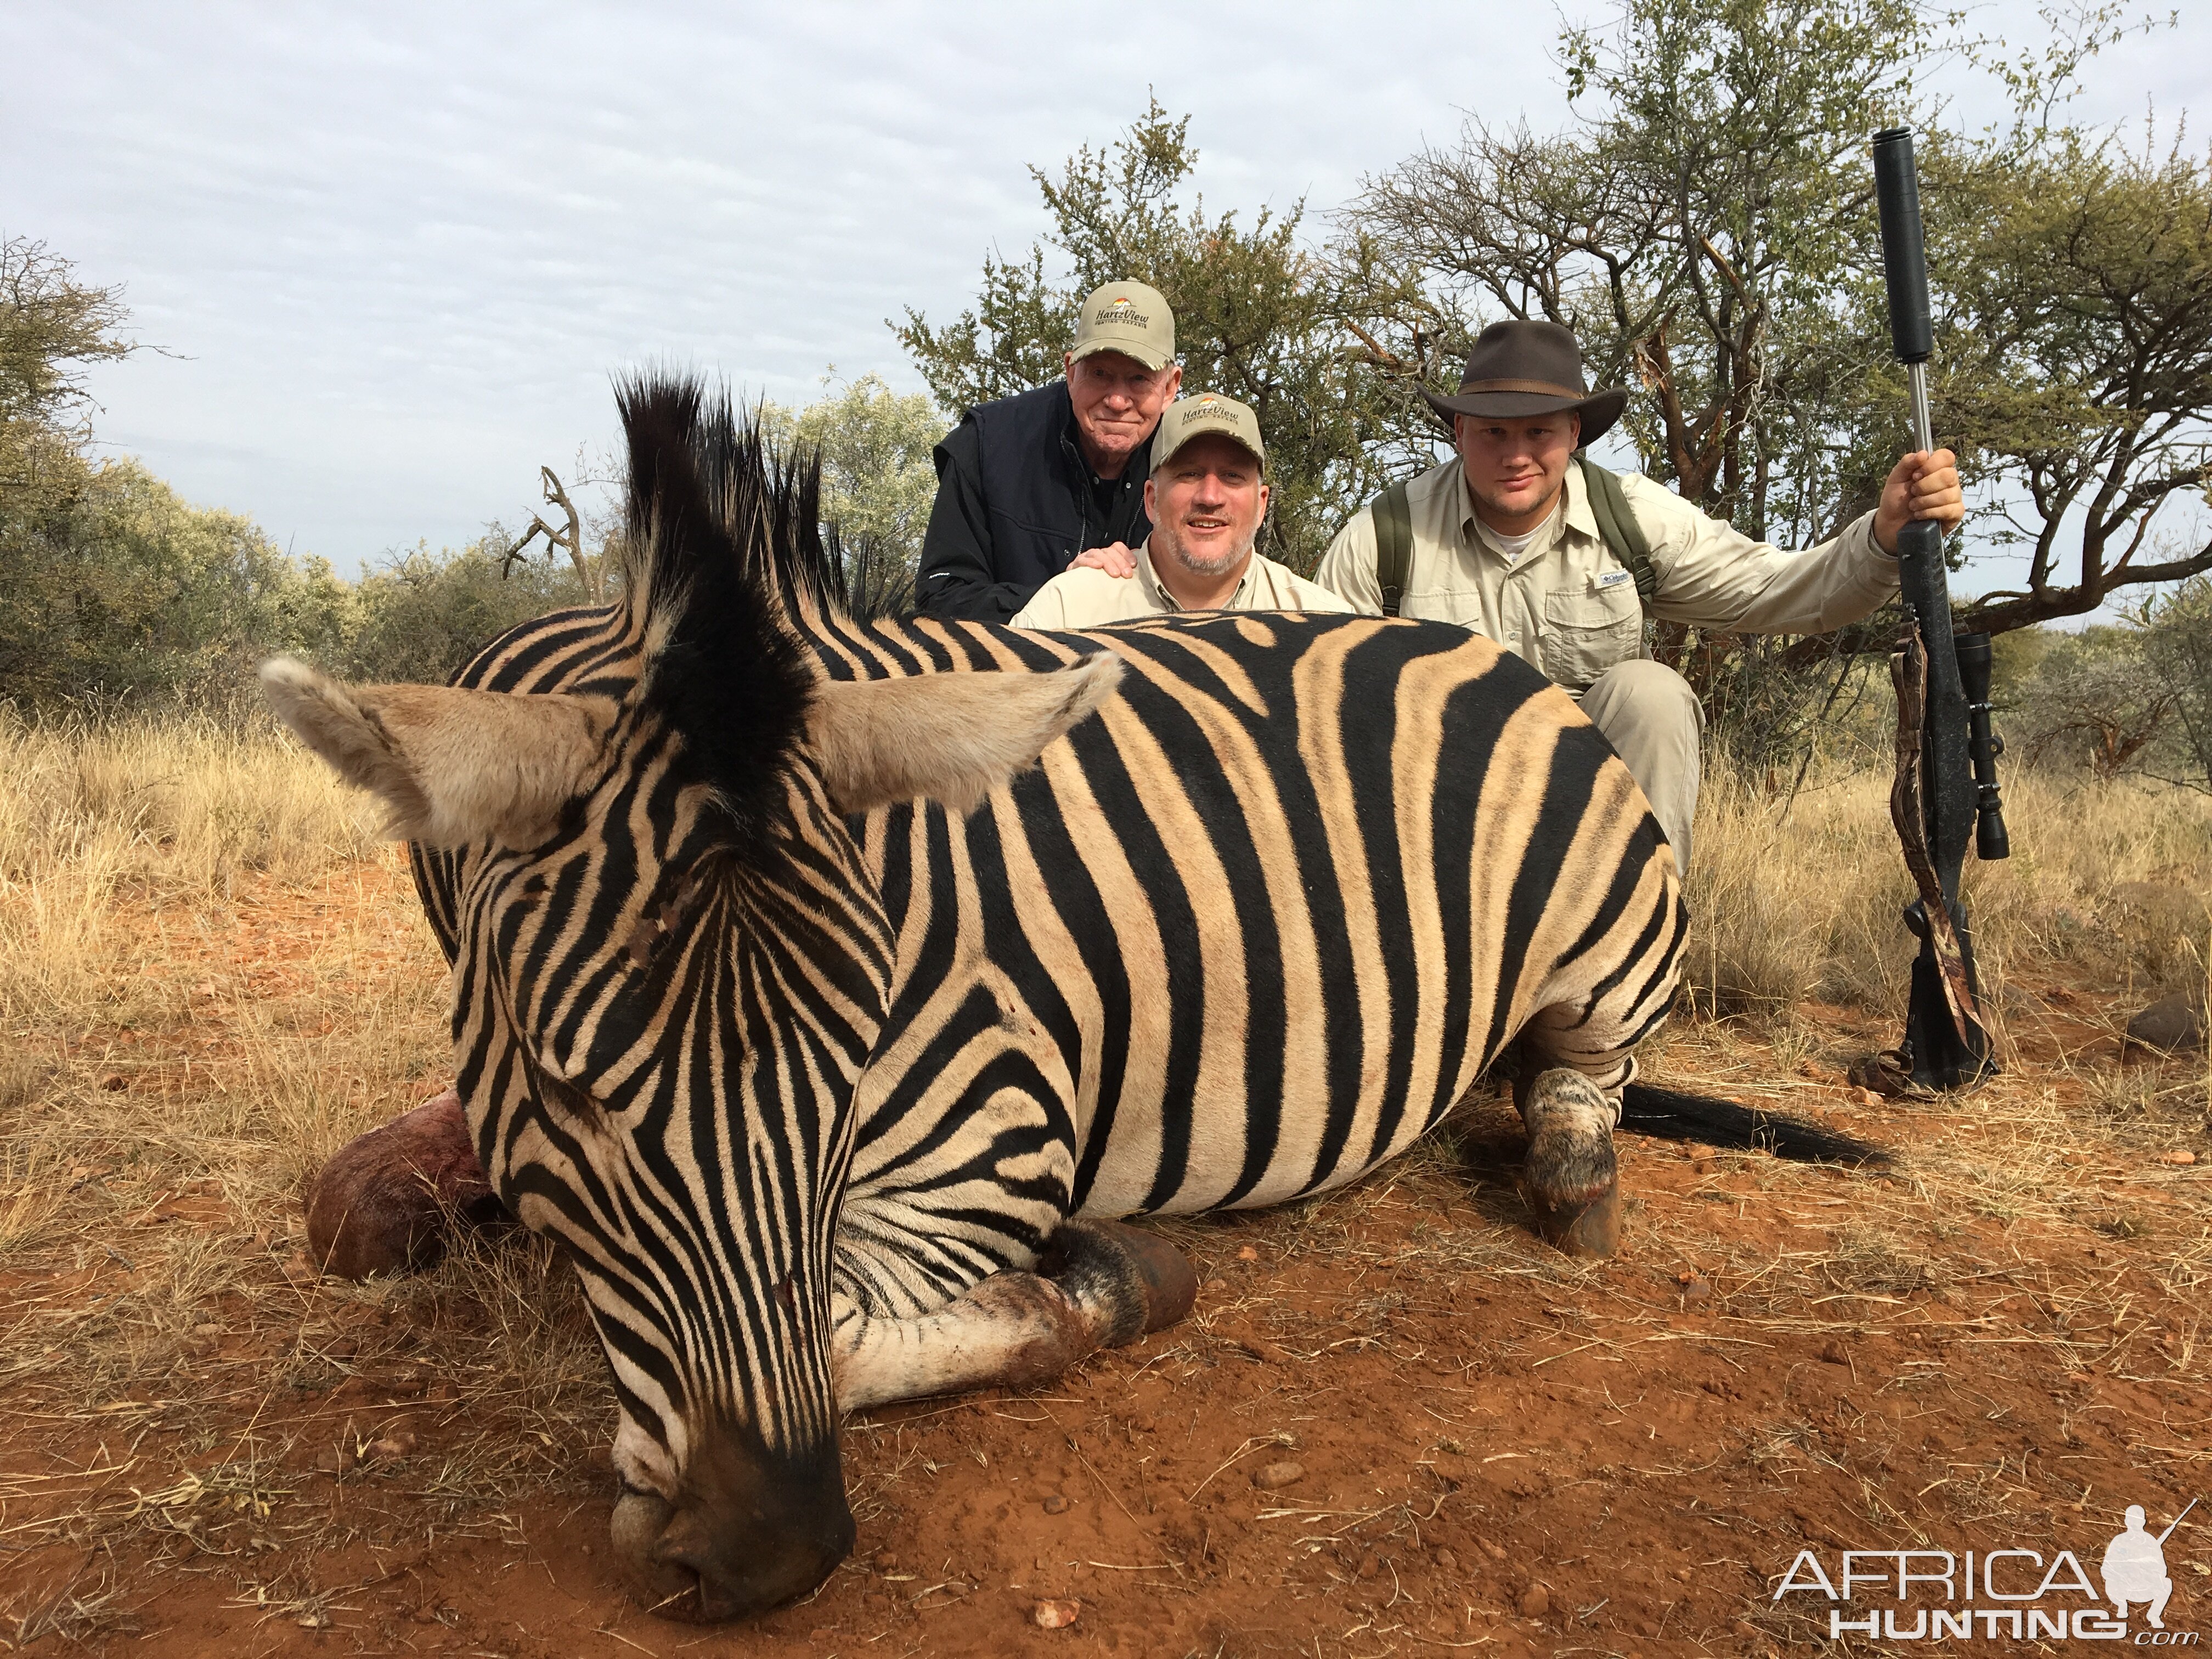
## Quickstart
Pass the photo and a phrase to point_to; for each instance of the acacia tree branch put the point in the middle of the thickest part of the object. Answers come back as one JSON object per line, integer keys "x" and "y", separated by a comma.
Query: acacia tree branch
{"x": 556, "y": 495}
{"x": 569, "y": 540}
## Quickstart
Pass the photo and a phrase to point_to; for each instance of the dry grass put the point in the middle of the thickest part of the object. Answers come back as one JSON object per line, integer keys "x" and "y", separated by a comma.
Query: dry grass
{"x": 212, "y": 976}
{"x": 1800, "y": 901}
{"x": 171, "y": 812}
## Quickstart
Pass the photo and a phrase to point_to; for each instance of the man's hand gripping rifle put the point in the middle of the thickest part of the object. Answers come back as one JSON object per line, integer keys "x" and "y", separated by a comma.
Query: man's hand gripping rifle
{"x": 1946, "y": 754}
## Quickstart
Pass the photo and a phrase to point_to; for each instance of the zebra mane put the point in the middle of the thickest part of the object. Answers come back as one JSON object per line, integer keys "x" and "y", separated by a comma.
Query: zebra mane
{"x": 714, "y": 604}
{"x": 767, "y": 497}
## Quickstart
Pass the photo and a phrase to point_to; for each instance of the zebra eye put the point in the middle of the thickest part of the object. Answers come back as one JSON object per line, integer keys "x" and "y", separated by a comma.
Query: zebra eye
{"x": 566, "y": 1097}
{"x": 643, "y": 936}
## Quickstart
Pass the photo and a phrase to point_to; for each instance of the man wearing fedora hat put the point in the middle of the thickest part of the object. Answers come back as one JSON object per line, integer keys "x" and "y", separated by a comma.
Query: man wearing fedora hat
{"x": 1027, "y": 482}
{"x": 1559, "y": 562}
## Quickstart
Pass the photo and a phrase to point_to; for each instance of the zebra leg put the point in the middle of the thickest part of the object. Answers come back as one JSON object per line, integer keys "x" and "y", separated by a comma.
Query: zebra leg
{"x": 1100, "y": 1285}
{"x": 1573, "y": 1182}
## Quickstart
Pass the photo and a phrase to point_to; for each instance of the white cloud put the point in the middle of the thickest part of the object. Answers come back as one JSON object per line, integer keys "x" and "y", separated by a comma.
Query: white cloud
{"x": 399, "y": 253}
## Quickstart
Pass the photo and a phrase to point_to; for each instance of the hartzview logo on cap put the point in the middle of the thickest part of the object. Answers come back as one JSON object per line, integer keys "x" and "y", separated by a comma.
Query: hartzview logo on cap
{"x": 1204, "y": 413}
{"x": 1128, "y": 317}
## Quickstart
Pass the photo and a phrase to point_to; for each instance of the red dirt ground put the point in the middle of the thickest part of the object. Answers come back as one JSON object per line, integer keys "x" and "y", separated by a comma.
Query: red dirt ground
{"x": 1502, "y": 1452}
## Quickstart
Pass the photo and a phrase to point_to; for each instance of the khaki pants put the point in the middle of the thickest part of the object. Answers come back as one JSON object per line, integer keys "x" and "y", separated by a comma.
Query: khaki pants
{"x": 1650, "y": 716}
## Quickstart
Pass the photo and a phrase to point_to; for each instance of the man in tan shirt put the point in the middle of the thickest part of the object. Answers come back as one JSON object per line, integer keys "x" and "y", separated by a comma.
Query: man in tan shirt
{"x": 1505, "y": 543}
{"x": 1205, "y": 498}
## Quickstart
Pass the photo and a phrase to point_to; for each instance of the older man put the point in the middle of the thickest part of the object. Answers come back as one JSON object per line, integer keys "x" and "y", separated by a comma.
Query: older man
{"x": 1559, "y": 562}
{"x": 1026, "y": 483}
{"x": 1205, "y": 498}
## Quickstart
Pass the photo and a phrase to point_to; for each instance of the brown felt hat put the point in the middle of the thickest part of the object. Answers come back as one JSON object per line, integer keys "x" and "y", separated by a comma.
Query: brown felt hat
{"x": 1521, "y": 369}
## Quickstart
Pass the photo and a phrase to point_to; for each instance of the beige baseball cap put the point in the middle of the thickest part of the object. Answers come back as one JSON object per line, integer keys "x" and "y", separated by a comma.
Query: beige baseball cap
{"x": 1208, "y": 412}
{"x": 1128, "y": 317}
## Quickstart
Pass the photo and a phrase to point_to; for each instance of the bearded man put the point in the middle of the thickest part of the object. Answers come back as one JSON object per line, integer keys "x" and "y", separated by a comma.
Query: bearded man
{"x": 1206, "y": 499}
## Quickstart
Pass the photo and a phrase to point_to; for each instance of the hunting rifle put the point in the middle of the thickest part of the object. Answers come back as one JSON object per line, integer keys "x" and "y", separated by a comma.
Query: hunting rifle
{"x": 1946, "y": 754}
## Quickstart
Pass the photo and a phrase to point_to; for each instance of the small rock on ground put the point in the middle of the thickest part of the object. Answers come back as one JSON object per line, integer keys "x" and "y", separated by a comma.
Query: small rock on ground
{"x": 2173, "y": 1025}
{"x": 1275, "y": 1476}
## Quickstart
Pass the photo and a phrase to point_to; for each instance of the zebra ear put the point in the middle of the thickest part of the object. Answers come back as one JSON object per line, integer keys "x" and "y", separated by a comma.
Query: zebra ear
{"x": 453, "y": 766}
{"x": 951, "y": 737}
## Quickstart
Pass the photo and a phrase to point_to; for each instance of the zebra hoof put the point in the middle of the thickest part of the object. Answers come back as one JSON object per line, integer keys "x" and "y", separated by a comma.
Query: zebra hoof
{"x": 1123, "y": 1283}
{"x": 1572, "y": 1179}
{"x": 1587, "y": 1226}
{"x": 1171, "y": 1283}
{"x": 387, "y": 1199}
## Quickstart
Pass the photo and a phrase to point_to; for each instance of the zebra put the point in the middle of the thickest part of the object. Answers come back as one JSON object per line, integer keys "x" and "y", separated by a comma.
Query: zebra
{"x": 828, "y": 987}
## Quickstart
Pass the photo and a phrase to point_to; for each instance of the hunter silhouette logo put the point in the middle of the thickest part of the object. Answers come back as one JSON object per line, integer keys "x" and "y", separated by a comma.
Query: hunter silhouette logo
{"x": 2134, "y": 1568}
{"x": 2011, "y": 1592}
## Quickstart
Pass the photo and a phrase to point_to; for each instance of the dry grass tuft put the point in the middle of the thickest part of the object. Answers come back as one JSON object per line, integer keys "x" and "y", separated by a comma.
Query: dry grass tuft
{"x": 1792, "y": 903}
{"x": 212, "y": 976}
{"x": 168, "y": 811}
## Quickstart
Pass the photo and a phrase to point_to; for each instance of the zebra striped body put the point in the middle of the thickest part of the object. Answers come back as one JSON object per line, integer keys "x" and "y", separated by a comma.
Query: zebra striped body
{"x": 809, "y": 1075}
{"x": 1249, "y": 933}
{"x": 1242, "y": 938}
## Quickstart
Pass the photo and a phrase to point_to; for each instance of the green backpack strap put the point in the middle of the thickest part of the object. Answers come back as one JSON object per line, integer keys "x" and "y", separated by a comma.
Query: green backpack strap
{"x": 1393, "y": 545}
{"x": 1617, "y": 529}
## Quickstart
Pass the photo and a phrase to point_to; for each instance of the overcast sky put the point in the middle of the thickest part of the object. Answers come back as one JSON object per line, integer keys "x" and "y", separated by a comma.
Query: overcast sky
{"x": 398, "y": 251}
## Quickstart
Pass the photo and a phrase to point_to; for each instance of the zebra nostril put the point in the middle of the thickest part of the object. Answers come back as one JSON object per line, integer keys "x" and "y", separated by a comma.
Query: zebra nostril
{"x": 663, "y": 1586}
{"x": 689, "y": 1545}
{"x": 743, "y": 1529}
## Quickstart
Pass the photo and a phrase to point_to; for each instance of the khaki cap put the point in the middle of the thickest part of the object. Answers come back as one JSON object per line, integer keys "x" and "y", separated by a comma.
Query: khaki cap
{"x": 1208, "y": 412}
{"x": 1128, "y": 317}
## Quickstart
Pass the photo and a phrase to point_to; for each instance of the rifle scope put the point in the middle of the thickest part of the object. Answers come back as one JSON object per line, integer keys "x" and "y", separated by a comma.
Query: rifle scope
{"x": 1983, "y": 748}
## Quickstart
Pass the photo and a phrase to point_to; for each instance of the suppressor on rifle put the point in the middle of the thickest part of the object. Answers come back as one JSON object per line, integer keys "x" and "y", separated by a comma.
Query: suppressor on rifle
{"x": 1905, "y": 269}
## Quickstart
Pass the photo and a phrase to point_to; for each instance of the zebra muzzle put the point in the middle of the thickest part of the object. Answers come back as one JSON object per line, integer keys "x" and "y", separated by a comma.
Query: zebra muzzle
{"x": 749, "y": 1532}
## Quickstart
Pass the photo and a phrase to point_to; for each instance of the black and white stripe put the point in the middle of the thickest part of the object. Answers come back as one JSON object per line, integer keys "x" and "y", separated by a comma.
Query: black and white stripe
{"x": 804, "y": 1096}
{"x": 1241, "y": 938}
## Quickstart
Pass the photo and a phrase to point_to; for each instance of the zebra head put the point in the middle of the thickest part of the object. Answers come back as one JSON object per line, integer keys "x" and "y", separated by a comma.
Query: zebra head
{"x": 670, "y": 968}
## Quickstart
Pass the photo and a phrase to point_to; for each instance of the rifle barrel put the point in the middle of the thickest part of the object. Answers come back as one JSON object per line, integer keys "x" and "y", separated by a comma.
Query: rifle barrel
{"x": 2176, "y": 1522}
{"x": 1924, "y": 425}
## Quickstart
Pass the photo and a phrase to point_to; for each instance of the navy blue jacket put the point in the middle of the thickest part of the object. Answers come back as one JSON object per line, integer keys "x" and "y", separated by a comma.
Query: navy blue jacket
{"x": 1016, "y": 501}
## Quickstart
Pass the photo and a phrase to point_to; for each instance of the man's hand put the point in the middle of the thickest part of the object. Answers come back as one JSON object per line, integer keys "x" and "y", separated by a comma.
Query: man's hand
{"x": 1119, "y": 560}
{"x": 1923, "y": 486}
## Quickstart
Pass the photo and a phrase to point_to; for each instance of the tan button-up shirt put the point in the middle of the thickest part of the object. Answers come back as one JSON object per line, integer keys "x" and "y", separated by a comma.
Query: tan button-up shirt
{"x": 1086, "y": 598}
{"x": 1568, "y": 608}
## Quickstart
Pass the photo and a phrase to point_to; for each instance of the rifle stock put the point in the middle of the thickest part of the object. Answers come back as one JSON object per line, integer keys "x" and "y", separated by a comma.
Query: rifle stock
{"x": 1945, "y": 1044}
